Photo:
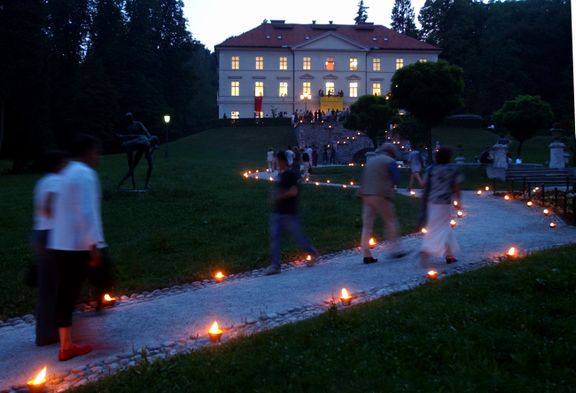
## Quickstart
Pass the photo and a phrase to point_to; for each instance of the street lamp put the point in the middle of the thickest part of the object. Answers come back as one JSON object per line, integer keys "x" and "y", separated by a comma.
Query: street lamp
{"x": 305, "y": 98}
{"x": 167, "y": 122}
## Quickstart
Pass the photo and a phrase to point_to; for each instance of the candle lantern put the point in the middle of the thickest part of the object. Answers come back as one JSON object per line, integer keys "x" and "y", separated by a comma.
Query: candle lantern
{"x": 486, "y": 188}
{"x": 529, "y": 204}
{"x": 546, "y": 212}
{"x": 345, "y": 297}
{"x": 507, "y": 197}
{"x": 351, "y": 183}
{"x": 215, "y": 333}
{"x": 372, "y": 242}
{"x": 432, "y": 275}
{"x": 344, "y": 186}
{"x": 460, "y": 214}
{"x": 553, "y": 225}
{"x": 412, "y": 192}
{"x": 108, "y": 301}
{"x": 219, "y": 277}
{"x": 328, "y": 181}
{"x": 424, "y": 231}
{"x": 316, "y": 184}
{"x": 479, "y": 192}
{"x": 455, "y": 203}
{"x": 453, "y": 223}
{"x": 512, "y": 253}
{"x": 38, "y": 384}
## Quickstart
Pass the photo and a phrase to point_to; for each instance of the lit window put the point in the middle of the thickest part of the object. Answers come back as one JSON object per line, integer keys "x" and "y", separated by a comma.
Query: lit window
{"x": 423, "y": 60}
{"x": 258, "y": 89}
{"x": 306, "y": 88}
{"x": 235, "y": 64}
{"x": 283, "y": 89}
{"x": 306, "y": 63}
{"x": 283, "y": 63}
{"x": 353, "y": 64}
{"x": 399, "y": 63}
{"x": 234, "y": 115}
{"x": 330, "y": 88}
{"x": 353, "y": 89}
{"x": 376, "y": 64}
{"x": 376, "y": 90}
{"x": 329, "y": 64}
{"x": 259, "y": 62}
{"x": 235, "y": 88}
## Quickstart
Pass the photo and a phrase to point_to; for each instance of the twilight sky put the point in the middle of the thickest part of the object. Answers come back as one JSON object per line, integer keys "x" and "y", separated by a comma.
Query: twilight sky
{"x": 212, "y": 21}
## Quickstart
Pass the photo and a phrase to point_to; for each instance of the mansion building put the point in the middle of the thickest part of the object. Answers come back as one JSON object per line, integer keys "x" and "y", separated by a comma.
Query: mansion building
{"x": 281, "y": 67}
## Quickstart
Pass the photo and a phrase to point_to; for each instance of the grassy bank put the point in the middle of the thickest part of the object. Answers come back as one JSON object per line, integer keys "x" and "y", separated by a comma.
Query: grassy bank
{"x": 507, "y": 328}
{"x": 200, "y": 215}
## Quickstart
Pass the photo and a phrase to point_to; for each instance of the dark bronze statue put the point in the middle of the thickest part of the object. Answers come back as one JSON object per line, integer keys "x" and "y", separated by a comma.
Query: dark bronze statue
{"x": 137, "y": 142}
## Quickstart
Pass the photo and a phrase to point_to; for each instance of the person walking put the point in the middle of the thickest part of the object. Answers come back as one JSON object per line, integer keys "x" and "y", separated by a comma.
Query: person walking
{"x": 76, "y": 236}
{"x": 45, "y": 270}
{"x": 415, "y": 162}
{"x": 270, "y": 159}
{"x": 442, "y": 183}
{"x": 379, "y": 176}
{"x": 285, "y": 215}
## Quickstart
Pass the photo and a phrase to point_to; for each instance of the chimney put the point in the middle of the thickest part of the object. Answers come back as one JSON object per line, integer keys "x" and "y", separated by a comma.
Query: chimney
{"x": 313, "y": 22}
{"x": 330, "y": 21}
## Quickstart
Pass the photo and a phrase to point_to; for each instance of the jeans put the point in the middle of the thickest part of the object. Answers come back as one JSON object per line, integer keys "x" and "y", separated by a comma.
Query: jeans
{"x": 291, "y": 224}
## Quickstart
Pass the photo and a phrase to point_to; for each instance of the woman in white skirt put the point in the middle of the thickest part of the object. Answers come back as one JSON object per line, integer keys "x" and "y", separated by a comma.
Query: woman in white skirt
{"x": 442, "y": 186}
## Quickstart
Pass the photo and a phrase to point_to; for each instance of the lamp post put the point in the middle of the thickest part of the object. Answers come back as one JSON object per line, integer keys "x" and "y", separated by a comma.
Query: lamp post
{"x": 167, "y": 122}
{"x": 305, "y": 98}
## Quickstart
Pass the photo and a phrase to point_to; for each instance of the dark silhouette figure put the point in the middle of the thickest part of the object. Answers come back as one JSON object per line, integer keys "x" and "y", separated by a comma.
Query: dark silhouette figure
{"x": 138, "y": 142}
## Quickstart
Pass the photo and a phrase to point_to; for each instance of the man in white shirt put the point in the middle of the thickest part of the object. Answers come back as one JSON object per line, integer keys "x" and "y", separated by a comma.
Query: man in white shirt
{"x": 76, "y": 236}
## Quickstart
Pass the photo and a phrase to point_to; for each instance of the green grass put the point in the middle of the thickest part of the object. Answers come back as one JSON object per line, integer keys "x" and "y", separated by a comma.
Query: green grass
{"x": 508, "y": 328}
{"x": 201, "y": 215}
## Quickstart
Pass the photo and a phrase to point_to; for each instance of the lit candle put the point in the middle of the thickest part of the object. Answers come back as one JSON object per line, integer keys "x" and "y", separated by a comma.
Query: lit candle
{"x": 479, "y": 192}
{"x": 256, "y": 177}
{"x": 345, "y": 297}
{"x": 529, "y": 204}
{"x": 546, "y": 212}
{"x": 486, "y": 188}
{"x": 460, "y": 213}
{"x": 507, "y": 197}
{"x": 553, "y": 225}
{"x": 317, "y": 184}
{"x": 455, "y": 203}
{"x": 453, "y": 223}
{"x": 246, "y": 174}
{"x": 219, "y": 277}
{"x": 108, "y": 301}
{"x": 372, "y": 242}
{"x": 307, "y": 179}
{"x": 328, "y": 181}
{"x": 412, "y": 192}
{"x": 344, "y": 186}
{"x": 351, "y": 183}
{"x": 512, "y": 253}
{"x": 424, "y": 231}
{"x": 432, "y": 274}
{"x": 272, "y": 179}
{"x": 215, "y": 333}
{"x": 38, "y": 384}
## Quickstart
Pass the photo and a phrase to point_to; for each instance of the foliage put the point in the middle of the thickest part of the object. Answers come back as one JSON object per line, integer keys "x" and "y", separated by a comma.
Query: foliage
{"x": 371, "y": 114}
{"x": 508, "y": 328}
{"x": 506, "y": 48}
{"x": 403, "y": 18}
{"x": 362, "y": 14}
{"x": 88, "y": 62}
{"x": 523, "y": 117}
{"x": 201, "y": 215}
{"x": 429, "y": 91}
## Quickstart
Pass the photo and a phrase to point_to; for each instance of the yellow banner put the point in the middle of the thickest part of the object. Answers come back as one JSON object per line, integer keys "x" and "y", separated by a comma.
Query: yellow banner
{"x": 329, "y": 103}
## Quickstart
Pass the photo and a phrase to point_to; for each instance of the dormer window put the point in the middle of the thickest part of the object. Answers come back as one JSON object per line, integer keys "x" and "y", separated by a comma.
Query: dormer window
{"x": 353, "y": 64}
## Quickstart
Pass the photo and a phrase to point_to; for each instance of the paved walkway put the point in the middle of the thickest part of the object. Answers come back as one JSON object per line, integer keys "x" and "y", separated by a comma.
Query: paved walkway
{"x": 490, "y": 226}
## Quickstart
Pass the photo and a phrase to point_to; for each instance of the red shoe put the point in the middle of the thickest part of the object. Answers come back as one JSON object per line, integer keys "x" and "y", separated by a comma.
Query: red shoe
{"x": 76, "y": 350}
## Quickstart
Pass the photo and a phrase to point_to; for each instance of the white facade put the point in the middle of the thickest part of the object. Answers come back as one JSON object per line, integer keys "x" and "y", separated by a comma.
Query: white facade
{"x": 287, "y": 74}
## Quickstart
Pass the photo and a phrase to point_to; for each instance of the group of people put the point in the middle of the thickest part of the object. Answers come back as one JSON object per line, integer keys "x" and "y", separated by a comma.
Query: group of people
{"x": 316, "y": 116}
{"x": 380, "y": 177}
{"x": 68, "y": 242}
{"x": 300, "y": 160}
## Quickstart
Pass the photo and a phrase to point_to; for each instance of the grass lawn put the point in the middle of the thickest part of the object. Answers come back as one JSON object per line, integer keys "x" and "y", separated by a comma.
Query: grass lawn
{"x": 201, "y": 215}
{"x": 507, "y": 328}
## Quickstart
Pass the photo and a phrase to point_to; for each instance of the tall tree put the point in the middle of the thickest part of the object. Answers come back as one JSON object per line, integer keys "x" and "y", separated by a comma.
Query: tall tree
{"x": 523, "y": 117}
{"x": 362, "y": 14}
{"x": 429, "y": 91}
{"x": 403, "y": 18}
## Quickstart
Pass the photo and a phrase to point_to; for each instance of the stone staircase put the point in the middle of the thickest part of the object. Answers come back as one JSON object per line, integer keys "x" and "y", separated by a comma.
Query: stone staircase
{"x": 540, "y": 176}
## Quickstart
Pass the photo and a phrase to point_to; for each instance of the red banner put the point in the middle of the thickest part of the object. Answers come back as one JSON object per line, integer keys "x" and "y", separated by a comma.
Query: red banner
{"x": 258, "y": 104}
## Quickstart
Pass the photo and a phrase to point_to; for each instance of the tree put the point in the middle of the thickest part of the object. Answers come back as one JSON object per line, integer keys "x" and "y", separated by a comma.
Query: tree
{"x": 371, "y": 114}
{"x": 403, "y": 18}
{"x": 362, "y": 14}
{"x": 523, "y": 116}
{"x": 429, "y": 91}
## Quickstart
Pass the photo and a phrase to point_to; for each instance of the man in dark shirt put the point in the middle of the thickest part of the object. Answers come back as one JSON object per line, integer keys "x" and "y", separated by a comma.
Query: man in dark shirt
{"x": 285, "y": 215}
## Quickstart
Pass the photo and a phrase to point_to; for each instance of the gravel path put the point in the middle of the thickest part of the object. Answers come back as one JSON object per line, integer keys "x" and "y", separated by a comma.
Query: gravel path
{"x": 163, "y": 323}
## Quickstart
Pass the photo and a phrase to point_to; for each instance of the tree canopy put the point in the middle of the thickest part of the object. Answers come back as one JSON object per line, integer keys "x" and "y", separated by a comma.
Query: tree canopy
{"x": 403, "y": 18}
{"x": 523, "y": 117}
{"x": 79, "y": 65}
{"x": 370, "y": 114}
{"x": 362, "y": 14}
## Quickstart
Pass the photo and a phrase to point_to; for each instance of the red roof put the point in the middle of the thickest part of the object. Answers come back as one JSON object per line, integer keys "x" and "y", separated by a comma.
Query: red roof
{"x": 278, "y": 34}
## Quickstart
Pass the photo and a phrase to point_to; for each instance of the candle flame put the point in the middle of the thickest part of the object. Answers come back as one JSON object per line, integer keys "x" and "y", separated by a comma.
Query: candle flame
{"x": 344, "y": 186}
{"x": 372, "y": 242}
{"x": 40, "y": 377}
{"x": 308, "y": 257}
{"x": 507, "y": 197}
{"x": 219, "y": 276}
{"x": 344, "y": 294}
{"x": 432, "y": 274}
{"x": 460, "y": 213}
{"x": 529, "y": 203}
{"x": 351, "y": 183}
{"x": 552, "y": 225}
{"x": 412, "y": 192}
{"x": 452, "y": 223}
{"x": 108, "y": 298}
{"x": 546, "y": 212}
{"x": 424, "y": 230}
{"x": 328, "y": 181}
{"x": 487, "y": 188}
{"x": 455, "y": 203}
{"x": 215, "y": 329}
{"x": 317, "y": 184}
{"x": 479, "y": 192}
{"x": 246, "y": 174}
{"x": 511, "y": 252}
